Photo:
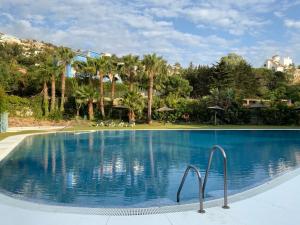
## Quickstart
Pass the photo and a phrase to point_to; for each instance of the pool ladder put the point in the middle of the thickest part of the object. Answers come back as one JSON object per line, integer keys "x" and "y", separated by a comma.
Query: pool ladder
{"x": 201, "y": 184}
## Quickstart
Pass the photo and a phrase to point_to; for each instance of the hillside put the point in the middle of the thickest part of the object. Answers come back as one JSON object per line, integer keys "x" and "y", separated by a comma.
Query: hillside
{"x": 25, "y": 43}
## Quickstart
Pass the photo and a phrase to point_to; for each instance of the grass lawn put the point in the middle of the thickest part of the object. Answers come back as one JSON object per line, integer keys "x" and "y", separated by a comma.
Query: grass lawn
{"x": 8, "y": 134}
{"x": 155, "y": 126}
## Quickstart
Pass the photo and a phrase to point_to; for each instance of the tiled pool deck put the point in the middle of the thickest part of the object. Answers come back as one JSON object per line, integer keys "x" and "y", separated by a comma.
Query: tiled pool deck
{"x": 276, "y": 202}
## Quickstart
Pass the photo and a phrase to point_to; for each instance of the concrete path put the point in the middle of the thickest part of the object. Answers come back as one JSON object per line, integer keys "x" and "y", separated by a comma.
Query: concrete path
{"x": 41, "y": 128}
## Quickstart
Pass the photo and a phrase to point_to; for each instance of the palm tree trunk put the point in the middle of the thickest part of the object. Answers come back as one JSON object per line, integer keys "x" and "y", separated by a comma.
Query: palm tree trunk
{"x": 63, "y": 87}
{"x": 78, "y": 106}
{"x": 131, "y": 116}
{"x": 53, "y": 93}
{"x": 113, "y": 87}
{"x": 46, "y": 99}
{"x": 101, "y": 91}
{"x": 130, "y": 83}
{"x": 130, "y": 87}
{"x": 91, "y": 110}
{"x": 150, "y": 92}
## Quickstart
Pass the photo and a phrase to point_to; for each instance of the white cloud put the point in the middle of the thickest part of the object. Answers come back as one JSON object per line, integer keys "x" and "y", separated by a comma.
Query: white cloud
{"x": 292, "y": 23}
{"x": 226, "y": 17}
{"x": 141, "y": 27}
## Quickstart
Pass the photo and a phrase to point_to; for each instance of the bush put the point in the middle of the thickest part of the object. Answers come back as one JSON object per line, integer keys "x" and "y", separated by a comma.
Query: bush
{"x": 279, "y": 115}
{"x": 191, "y": 109}
{"x": 3, "y": 100}
{"x": 25, "y": 107}
{"x": 55, "y": 115}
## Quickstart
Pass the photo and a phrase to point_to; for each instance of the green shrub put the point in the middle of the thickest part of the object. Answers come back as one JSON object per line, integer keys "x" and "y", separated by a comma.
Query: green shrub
{"x": 56, "y": 115}
{"x": 279, "y": 115}
{"x": 25, "y": 107}
{"x": 3, "y": 100}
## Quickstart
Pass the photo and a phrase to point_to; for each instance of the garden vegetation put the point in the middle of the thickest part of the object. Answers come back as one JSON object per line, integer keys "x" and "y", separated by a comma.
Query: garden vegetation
{"x": 34, "y": 84}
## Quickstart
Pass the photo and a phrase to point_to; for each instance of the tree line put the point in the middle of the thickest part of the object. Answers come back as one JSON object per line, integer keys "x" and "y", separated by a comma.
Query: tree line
{"x": 149, "y": 83}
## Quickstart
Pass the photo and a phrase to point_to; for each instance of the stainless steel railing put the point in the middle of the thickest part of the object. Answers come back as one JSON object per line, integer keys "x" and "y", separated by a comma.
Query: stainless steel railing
{"x": 201, "y": 210}
{"x": 203, "y": 186}
{"x": 215, "y": 148}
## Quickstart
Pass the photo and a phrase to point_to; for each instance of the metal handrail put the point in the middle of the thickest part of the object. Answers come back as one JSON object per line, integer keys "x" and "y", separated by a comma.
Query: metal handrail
{"x": 201, "y": 210}
{"x": 214, "y": 148}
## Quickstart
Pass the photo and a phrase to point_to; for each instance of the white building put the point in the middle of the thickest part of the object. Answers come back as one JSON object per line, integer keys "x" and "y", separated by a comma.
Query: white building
{"x": 4, "y": 38}
{"x": 278, "y": 64}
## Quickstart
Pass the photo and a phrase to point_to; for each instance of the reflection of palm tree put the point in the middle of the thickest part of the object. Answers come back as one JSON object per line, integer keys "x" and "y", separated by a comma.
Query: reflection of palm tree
{"x": 102, "y": 153}
{"x": 63, "y": 162}
{"x": 151, "y": 153}
{"x": 46, "y": 146}
{"x": 91, "y": 141}
{"x": 53, "y": 158}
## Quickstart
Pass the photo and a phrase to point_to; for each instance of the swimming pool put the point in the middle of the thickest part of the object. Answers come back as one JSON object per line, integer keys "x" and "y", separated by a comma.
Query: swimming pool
{"x": 142, "y": 168}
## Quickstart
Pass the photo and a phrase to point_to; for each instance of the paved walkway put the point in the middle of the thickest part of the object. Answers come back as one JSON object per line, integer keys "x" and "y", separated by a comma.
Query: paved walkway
{"x": 42, "y": 128}
{"x": 277, "y": 203}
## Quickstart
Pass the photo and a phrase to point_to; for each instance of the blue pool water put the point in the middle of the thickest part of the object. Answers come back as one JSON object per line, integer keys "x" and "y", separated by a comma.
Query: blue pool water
{"x": 141, "y": 168}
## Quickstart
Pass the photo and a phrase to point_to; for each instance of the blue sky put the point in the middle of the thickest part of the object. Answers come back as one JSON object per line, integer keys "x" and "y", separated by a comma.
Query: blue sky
{"x": 180, "y": 30}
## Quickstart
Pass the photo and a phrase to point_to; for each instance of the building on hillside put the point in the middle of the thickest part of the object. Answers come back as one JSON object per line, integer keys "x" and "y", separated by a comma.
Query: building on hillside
{"x": 250, "y": 102}
{"x": 4, "y": 38}
{"x": 30, "y": 47}
{"x": 277, "y": 64}
{"x": 296, "y": 76}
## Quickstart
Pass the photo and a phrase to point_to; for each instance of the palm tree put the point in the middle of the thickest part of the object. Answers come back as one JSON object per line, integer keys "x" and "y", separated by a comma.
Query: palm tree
{"x": 46, "y": 71}
{"x": 135, "y": 103}
{"x": 87, "y": 70}
{"x": 99, "y": 67}
{"x": 114, "y": 67}
{"x": 56, "y": 69}
{"x": 102, "y": 67}
{"x": 131, "y": 66}
{"x": 78, "y": 101}
{"x": 88, "y": 95}
{"x": 66, "y": 56}
{"x": 153, "y": 66}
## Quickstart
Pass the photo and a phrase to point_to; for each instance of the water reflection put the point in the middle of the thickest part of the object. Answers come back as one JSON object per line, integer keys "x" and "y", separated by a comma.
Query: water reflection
{"x": 142, "y": 168}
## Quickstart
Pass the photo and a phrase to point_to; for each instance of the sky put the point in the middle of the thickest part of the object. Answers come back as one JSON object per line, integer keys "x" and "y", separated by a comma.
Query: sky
{"x": 181, "y": 31}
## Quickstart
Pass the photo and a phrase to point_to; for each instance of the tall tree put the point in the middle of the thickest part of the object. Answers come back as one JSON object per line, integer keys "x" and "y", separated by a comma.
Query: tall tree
{"x": 135, "y": 103}
{"x": 102, "y": 68}
{"x": 45, "y": 71}
{"x": 95, "y": 67}
{"x": 221, "y": 77}
{"x": 131, "y": 68}
{"x": 56, "y": 70}
{"x": 88, "y": 95}
{"x": 154, "y": 65}
{"x": 199, "y": 78}
{"x": 86, "y": 71}
{"x": 115, "y": 65}
{"x": 66, "y": 56}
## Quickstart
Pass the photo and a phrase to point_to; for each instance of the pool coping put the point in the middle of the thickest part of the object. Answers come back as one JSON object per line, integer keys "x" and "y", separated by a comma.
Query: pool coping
{"x": 7, "y": 145}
